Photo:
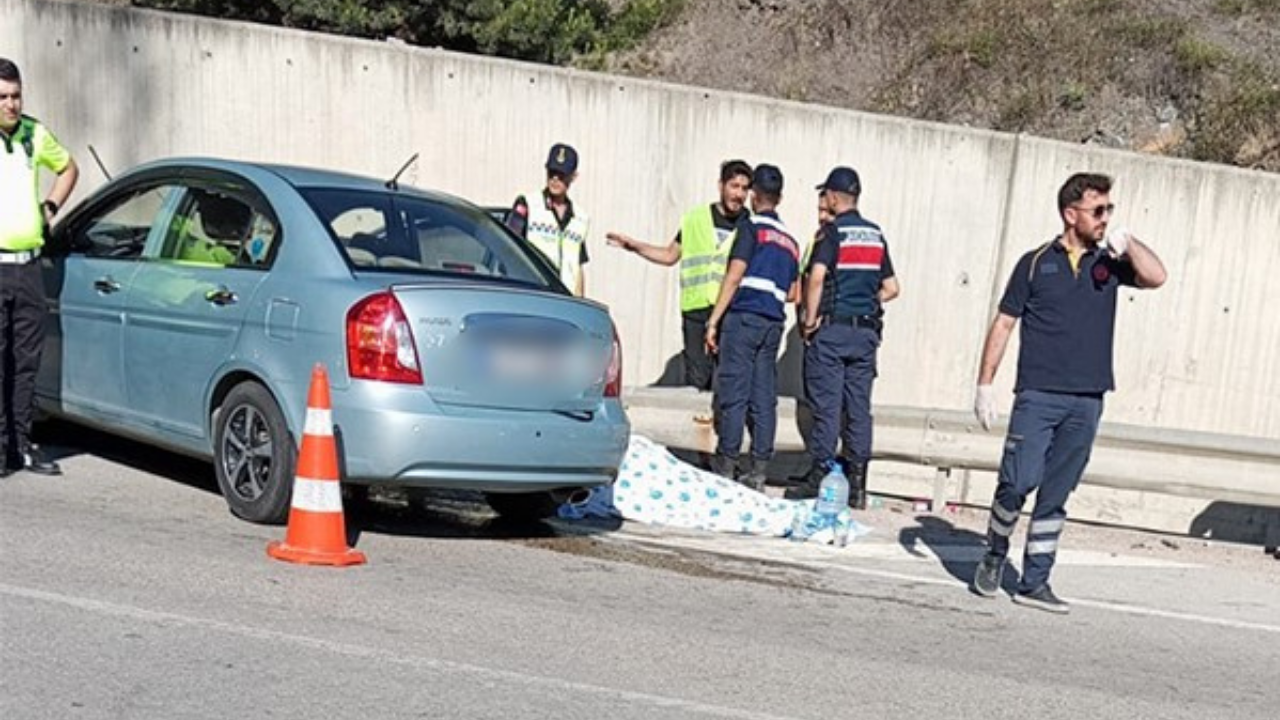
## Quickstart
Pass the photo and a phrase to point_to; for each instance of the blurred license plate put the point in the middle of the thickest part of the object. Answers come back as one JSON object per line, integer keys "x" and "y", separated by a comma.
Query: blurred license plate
{"x": 514, "y": 362}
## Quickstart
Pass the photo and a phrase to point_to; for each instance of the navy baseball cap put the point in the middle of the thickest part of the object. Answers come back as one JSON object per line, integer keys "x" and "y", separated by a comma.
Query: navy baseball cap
{"x": 843, "y": 179}
{"x": 562, "y": 159}
{"x": 767, "y": 178}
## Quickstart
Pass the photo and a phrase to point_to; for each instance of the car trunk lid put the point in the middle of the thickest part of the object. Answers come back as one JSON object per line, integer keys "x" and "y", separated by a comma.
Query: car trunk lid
{"x": 511, "y": 348}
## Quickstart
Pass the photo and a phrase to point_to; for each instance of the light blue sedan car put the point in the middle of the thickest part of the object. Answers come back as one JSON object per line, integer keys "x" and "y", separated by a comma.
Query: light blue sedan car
{"x": 190, "y": 300}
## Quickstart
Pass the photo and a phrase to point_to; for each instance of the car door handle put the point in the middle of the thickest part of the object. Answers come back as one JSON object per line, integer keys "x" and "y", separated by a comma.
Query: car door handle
{"x": 106, "y": 285}
{"x": 221, "y": 296}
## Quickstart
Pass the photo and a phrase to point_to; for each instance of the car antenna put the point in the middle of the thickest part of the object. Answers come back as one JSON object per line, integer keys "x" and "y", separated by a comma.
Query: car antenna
{"x": 392, "y": 184}
{"x": 103, "y": 168}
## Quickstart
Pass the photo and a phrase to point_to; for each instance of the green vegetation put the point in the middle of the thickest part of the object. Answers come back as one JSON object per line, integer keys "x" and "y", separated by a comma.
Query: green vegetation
{"x": 1194, "y": 56}
{"x": 549, "y": 31}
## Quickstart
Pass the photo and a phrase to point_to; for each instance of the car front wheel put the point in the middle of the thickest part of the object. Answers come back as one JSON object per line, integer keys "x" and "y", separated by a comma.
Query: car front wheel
{"x": 254, "y": 455}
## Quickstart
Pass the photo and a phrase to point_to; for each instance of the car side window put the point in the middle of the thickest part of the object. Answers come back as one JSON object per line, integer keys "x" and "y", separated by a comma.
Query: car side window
{"x": 217, "y": 228}
{"x": 121, "y": 229}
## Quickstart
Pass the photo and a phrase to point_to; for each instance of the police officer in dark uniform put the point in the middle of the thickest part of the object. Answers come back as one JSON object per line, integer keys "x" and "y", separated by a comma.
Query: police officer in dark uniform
{"x": 1065, "y": 293}
{"x": 27, "y": 146}
{"x": 851, "y": 278}
{"x": 745, "y": 330}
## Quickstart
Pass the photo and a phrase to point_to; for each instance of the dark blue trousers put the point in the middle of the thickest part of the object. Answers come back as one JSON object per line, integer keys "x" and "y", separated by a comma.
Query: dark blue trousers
{"x": 747, "y": 381}
{"x": 1050, "y": 438}
{"x": 839, "y": 369}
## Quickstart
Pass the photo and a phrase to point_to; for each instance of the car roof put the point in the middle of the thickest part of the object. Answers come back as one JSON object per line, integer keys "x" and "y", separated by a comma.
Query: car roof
{"x": 297, "y": 176}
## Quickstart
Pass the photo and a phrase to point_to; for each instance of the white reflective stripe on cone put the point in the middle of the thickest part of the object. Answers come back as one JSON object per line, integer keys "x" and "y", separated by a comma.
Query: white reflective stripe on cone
{"x": 319, "y": 422}
{"x": 1042, "y": 547}
{"x": 317, "y": 495}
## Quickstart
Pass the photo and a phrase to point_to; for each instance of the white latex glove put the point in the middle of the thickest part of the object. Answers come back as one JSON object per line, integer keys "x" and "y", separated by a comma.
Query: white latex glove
{"x": 984, "y": 406}
{"x": 1117, "y": 241}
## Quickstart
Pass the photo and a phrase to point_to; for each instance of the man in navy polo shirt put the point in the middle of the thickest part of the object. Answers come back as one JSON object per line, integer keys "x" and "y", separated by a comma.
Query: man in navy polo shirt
{"x": 850, "y": 279}
{"x": 758, "y": 283}
{"x": 1065, "y": 294}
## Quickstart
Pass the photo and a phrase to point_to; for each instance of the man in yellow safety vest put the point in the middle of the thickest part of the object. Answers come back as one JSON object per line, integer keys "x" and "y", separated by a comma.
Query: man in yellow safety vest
{"x": 24, "y": 217}
{"x": 701, "y": 246}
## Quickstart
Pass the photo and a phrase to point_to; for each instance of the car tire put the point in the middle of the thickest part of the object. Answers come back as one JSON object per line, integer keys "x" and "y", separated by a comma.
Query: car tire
{"x": 254, "y": 455}
{"x": 523, "y": 506}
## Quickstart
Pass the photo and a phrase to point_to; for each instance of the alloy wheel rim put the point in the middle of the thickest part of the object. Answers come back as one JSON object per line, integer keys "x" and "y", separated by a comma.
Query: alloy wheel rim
{"x": 246, "y": 452}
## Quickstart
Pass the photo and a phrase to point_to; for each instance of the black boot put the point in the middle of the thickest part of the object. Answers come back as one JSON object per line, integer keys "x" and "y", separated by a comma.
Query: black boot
{"x": 724, "y": 466}
{"x": 755, "y": 476}
{"x": 807, "y": 488}
{"x": 856, "y": 470}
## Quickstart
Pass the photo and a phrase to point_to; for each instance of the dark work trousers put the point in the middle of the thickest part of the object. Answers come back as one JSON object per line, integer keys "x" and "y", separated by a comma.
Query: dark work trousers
{"x": 1048, "y": 445}
{"x": 839, "y": 369}
{"x": 747, "y": 382}
{"x": 22, "y": 311}
{"x": 699, "y": 365}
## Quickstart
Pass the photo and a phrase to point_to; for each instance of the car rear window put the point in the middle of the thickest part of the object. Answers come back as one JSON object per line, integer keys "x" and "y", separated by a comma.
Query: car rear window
{"x": 405, "y": 234}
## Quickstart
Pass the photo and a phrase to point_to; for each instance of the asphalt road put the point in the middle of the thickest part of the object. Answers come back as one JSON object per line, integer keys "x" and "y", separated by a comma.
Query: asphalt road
{"x": 128, "y": 591}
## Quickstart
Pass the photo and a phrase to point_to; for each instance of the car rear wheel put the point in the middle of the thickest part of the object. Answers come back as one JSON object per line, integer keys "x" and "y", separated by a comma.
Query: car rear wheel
{"x": 254, "y": 455}
{"x": 523, "y": 506}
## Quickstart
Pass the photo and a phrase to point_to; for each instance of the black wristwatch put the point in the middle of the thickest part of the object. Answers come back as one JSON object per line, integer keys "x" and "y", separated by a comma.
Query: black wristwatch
{"x": 49, "y": 205}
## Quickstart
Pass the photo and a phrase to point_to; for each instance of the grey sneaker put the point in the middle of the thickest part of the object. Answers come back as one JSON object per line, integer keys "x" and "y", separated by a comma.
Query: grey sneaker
{"x": 1042, "y": 598}
{"x": 988, "y": 576}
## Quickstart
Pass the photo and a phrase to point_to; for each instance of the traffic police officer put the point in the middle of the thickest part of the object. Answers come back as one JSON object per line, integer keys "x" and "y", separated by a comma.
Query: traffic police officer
{"x": 28, "y": 146}
{"x": 850, "y": 280}
{"x": 749, "y": 314}
{"x": 1065, "y": 293}
{"x": 554, "y": 226}
{"x": 702, "y": 248}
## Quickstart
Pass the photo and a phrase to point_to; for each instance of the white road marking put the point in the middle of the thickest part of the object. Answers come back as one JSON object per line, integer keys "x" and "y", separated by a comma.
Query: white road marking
{"x": 822, "y": 556}
{"x": 556, "y": 685}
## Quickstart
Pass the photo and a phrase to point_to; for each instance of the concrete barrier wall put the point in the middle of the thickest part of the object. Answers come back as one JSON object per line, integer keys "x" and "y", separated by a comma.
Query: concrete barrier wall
{"x": 958, "y": 205}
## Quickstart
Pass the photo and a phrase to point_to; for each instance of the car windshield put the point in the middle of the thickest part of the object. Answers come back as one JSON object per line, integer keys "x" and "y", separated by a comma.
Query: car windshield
{"x": 399, "y": 233}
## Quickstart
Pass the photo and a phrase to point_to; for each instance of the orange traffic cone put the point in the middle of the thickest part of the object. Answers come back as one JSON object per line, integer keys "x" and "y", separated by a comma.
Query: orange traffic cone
{"x": 317, "y": 533}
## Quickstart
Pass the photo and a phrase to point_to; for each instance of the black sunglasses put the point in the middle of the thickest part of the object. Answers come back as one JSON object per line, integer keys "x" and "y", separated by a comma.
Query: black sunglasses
{"x": 1099, "y": 211}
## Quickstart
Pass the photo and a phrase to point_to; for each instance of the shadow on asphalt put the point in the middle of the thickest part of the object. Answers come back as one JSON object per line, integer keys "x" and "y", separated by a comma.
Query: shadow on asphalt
{"x": 943, "y": 538}
{"x": 60, "y": 440}
{"x": 443, "y": 514}
{"x": 425, "y": 513}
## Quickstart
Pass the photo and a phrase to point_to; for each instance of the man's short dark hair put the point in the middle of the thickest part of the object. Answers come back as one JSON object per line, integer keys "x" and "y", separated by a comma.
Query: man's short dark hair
{"x": 9, "y": 71}
{"x": 1077, "y": 185}
{"x": 731, "y": 169}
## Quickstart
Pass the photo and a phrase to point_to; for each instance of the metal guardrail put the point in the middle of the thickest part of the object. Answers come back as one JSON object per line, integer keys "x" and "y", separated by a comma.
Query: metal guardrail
{"x": 1173, "y": 462}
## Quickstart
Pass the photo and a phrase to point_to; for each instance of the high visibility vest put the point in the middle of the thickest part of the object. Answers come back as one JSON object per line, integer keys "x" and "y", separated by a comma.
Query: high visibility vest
{"x": 562, "y": 247}
{"x": 703, "y": 258}
{"x": 30, "y": 147}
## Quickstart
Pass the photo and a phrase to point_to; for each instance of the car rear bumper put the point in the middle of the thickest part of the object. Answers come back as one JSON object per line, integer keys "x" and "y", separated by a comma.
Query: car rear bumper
{"x": 381, "y": 441}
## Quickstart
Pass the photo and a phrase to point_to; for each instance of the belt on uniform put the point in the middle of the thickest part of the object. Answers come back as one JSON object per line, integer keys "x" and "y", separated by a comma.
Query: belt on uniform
{"x": 863, "y": 321}
{"x": 18, "y": 257}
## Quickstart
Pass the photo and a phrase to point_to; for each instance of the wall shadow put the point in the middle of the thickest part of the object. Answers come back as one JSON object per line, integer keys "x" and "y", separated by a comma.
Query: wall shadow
{"x": 672, "y": 372}
{"x": 1239, "y": 523}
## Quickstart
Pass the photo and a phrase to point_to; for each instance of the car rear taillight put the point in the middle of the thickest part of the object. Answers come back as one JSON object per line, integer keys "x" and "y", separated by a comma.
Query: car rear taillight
{"x": 613, "y": 376}
{"x": 380, "y": 341}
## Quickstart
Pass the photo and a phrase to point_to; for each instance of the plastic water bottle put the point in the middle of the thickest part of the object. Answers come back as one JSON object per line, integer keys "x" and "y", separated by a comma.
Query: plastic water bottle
{"x": 833, "y": 496}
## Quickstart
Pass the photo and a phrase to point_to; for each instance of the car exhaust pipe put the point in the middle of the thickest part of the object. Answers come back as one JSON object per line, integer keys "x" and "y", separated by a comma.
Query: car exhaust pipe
{"x": 577, "y": 496}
